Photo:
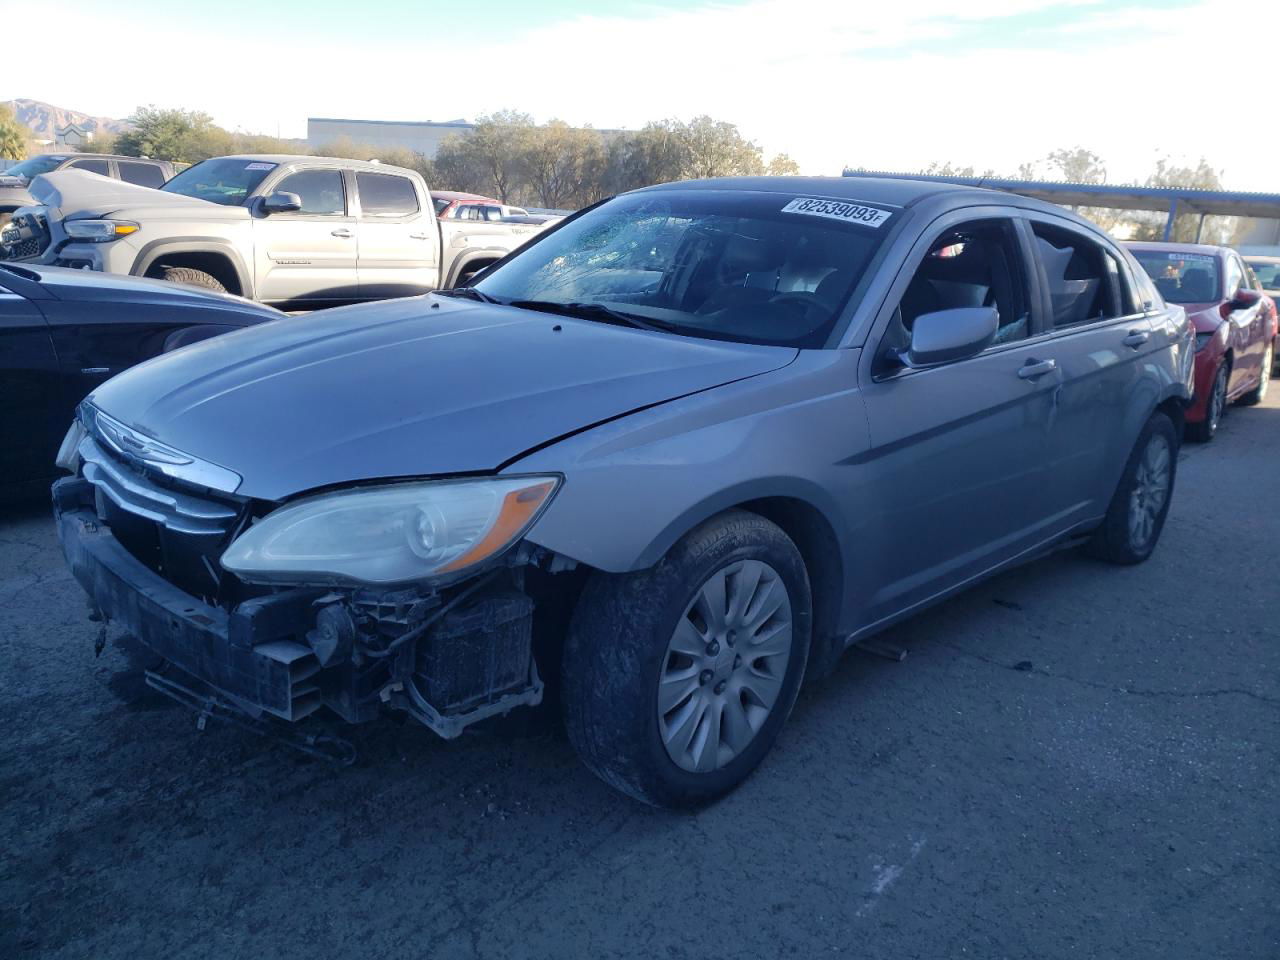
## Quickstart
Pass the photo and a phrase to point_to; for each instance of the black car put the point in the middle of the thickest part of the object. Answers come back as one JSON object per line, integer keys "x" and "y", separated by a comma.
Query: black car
{"x": 63, "y": 332}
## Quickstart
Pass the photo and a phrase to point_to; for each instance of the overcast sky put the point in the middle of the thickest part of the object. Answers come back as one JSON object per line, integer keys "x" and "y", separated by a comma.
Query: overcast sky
{"x": 893, "y": 84}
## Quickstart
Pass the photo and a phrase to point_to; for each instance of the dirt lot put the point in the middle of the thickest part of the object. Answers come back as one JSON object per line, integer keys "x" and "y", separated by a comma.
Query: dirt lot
{"x": 1075, "y": 761}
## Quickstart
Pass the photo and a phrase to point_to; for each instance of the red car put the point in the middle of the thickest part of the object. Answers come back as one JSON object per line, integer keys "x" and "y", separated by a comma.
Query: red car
{"x": 452, "y": 205}
{"x": 1235, "y": 325}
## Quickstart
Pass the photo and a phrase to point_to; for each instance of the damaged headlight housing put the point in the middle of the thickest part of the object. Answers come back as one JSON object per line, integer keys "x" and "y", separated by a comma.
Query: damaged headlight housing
{"x": 390, "y": 534}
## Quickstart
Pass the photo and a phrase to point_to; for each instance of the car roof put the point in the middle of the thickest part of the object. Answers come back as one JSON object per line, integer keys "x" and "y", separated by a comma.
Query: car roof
{"x": 1162, "y": 246}
{"x": 458, "y": 195}
{"x": 103, "y": 156}
{"x": 283, "y": 158}
{"x": 896, "y": 191}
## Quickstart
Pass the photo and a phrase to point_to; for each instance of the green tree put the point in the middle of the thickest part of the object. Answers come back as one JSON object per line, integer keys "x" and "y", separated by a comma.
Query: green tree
{"x": 490, "y": 159}
{"x": 1200, "y": 176}
{"x": 183, "y": 135}
{"x": 13, "y": 135}
{"x": 561, "y": 165}
{"x": 1076, "y": 165}
{"x": 782, "y": 166}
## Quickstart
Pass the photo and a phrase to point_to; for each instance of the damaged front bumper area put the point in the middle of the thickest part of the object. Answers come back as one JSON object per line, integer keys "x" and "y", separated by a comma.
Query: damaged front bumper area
{"x": 449, "y": 657}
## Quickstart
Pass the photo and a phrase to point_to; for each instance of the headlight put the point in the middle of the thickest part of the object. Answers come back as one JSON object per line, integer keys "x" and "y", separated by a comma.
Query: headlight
{"x": 68, "y": 457}
{"x": 1202, "y": 339}
{"x": 99, "y": 231}
{"x": 390, "y": 534}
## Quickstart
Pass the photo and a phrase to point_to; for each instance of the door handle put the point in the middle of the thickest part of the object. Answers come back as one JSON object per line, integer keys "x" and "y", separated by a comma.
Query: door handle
{"x": 419, "y": 236}
{"x": 1136, "y": 338}
{"x": 1037, "y": 368}
{"x": 342, "y": 232}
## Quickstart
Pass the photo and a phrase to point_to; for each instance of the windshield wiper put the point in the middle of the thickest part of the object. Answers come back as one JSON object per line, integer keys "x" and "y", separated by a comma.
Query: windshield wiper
{"x": 471, "y": 293}
{"x": 593, "y": 311}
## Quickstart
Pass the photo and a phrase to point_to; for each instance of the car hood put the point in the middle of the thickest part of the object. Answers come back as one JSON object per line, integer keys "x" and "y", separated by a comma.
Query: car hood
{"x": 426, "y": 386}
{"x": 86, "y": 286}
{"x": 78, "y": 193}
{"x": 1205, "y": 317}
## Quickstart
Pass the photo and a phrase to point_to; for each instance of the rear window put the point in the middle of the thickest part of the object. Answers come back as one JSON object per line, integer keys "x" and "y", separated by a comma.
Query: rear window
{"x": 730, "y": 265}
{"x": 143, "y": 174}
{"x": 386, "y": 195}
{"x": 1182, "y": 277}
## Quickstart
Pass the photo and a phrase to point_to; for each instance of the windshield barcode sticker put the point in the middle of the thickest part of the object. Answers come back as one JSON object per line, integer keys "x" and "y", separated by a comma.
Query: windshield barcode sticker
{"x": 1197, "y": 257}
{"x": 259, "y": 166}
{"x": 837, "y": 210}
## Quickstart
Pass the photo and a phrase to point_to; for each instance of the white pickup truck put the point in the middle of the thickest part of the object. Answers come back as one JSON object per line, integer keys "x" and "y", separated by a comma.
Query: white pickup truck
{"x": 286, "y": 230}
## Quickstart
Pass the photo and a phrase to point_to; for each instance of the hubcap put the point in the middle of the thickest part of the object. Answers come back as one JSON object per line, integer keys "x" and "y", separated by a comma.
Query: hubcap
{"x": 723, "y": 669}
{"x": 1150, "y": 491}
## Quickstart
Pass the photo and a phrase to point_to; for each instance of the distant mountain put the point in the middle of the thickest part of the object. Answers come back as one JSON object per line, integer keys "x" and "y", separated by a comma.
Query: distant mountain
{"x": 45, "y": 118}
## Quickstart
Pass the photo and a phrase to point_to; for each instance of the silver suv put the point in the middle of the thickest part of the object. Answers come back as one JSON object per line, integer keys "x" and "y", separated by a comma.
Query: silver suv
{"x": 285, "y": 230}
{"x": 680, "y": 452}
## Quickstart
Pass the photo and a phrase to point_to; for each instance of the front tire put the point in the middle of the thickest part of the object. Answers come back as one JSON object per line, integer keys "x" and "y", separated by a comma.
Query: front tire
{"x": 192, "y": 278}
{"x": 1136, "y": 516}
{"x": 1215, "y": 407}
{"x": 677, "y": 679}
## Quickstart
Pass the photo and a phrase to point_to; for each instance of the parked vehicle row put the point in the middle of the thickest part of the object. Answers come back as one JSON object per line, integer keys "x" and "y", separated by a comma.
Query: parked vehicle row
{"x": 1235, "y": 322}
{"x": 64, "y": 332}
{"x": 15, "y": 180}
{"x": 300, "y": 232}
{"x": 1265, "y": 272}
{"x": 680, "y": 452}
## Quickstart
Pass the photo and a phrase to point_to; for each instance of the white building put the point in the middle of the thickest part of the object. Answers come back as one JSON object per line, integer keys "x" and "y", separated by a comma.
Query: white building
{"x": 421, "y": 137}
{"x": 71, "y": 136}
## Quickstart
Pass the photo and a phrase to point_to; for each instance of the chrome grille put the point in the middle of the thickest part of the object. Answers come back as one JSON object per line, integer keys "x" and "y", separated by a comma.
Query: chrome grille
{"x": 133, "y": 491}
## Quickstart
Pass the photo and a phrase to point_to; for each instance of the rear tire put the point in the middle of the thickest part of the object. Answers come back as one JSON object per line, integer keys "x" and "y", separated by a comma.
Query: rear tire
{"x": 1136, "y": 516}
{"x": 192, "y": 278}
{"x": 1215, "y": 408}
{"x": 1259, "y": 393}
{"x": 725, "y": 699}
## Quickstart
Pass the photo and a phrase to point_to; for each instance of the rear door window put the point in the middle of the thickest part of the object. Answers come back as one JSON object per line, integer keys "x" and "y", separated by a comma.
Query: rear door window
{"x": 1083, "y": 278}
{"x": 143, "y": 174}
{"x": 386, "y": 195}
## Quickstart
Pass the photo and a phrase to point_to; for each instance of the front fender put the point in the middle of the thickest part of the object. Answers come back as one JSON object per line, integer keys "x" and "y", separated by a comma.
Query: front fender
{"x": 635, "y": 485}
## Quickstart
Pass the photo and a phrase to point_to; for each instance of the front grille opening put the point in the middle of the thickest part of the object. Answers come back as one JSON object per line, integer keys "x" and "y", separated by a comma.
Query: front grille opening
{"x": 186, "y": 554}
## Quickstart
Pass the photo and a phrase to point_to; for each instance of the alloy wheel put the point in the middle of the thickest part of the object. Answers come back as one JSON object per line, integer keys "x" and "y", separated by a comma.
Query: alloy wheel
{"x": 1150, "y": 490}
{"x": 724, "y": 666}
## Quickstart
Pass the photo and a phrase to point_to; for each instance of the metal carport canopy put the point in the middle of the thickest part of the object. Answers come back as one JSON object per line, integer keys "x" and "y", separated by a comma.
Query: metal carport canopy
{"x": 1169, "y": 200}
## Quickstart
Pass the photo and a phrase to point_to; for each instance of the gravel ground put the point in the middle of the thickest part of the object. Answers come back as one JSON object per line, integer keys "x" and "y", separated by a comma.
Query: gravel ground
{"x": 1075, "y": 761}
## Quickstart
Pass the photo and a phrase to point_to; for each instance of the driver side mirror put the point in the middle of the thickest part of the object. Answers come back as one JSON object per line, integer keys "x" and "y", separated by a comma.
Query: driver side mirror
{"x": 281, "y": 202}
{"x": 949, "y": 335}
{"x": 1245, "y": 298}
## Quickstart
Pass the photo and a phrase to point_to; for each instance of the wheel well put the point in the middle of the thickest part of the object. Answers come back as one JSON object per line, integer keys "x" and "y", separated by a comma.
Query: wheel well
{"x": 473, "y": 266}
{"x": 217, "y": 265}
{"x": 813, "y": 535}
{"x": 1175, "y": 410}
